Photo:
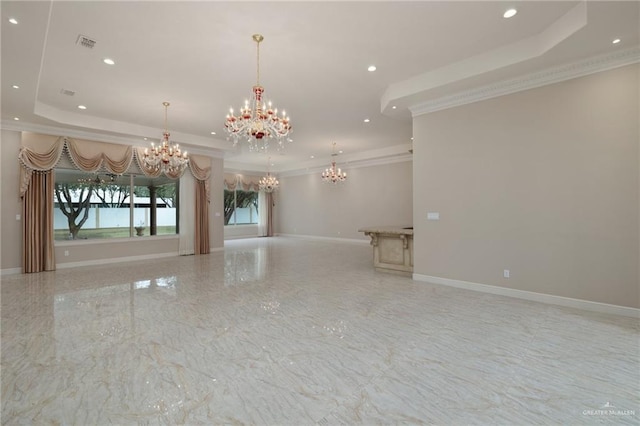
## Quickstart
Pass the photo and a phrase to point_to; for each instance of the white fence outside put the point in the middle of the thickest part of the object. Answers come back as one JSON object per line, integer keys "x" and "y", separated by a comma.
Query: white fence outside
{"x": 118, "y": 217}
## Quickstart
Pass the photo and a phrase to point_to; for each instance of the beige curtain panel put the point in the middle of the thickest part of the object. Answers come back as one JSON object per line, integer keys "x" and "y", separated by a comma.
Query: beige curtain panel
{"x": 201, "y": 169}
{"x": 269, "y": 211}
{"x": 202, "y": 219}
{"x": 37, "y": 233}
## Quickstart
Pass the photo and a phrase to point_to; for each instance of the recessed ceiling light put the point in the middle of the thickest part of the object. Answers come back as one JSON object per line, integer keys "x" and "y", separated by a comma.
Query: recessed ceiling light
{"x": 82, "y": 107}
{"x": 411, "y": 137}
{"x": 366, "y": 120}
{"x": 371, "y": 68}
{"x": 145, "y": 139}
{"x": 616, "y": 41}
{"x": 213, "y": 133}
{"x": 393, "y": 107}
{"x": 109, "y": 61}
{"x": 15, "y": 86}
{"x": 340, "y": 152}
{"x": 14, "y": 21}
{"x": 510, "y": 13}
{"x": 16, "y": 118}
{"x": 312, "y": 156}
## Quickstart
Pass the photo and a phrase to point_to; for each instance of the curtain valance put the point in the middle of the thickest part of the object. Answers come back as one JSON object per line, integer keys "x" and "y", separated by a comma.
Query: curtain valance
{"x": 40, "y": 153}
{"x": 242, "y": 182}
{"x": 91, "y": 156}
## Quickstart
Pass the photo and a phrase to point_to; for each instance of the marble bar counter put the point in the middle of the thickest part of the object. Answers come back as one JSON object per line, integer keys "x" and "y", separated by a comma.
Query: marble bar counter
{"x": 392, "y": 248}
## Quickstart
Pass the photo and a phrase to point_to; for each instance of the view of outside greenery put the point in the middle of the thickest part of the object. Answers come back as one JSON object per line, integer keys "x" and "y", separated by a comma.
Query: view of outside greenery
{"x": 240, "y": 207}
{"x": 101, "y": 205}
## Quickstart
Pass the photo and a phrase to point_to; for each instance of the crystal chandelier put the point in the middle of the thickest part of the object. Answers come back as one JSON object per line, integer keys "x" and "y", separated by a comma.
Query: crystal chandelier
{"x": 268, "y": 183}
{"x": 258, "y": 121}
{"x": 333, "y": 174}
{"x": 167, "y": 156}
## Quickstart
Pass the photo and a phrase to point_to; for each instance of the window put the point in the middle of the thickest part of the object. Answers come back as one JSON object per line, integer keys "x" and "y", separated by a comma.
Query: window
{"x": 240, "y": 207}
{"x": 103, "y": 205}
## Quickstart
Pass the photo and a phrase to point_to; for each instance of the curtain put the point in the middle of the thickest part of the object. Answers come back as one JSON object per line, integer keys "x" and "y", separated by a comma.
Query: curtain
{"x": 39, "y": 154}
{"x": 202, "y": 175}
{"x": 38, "y": 157}
{"x": 91, "y": 156}
{"x": 263, "y": 215}
{"x": 37, "y": 232}
{"x": 187, "y": 201}
{"x": 269, "y": 210}
{"x": 201, "y": 242}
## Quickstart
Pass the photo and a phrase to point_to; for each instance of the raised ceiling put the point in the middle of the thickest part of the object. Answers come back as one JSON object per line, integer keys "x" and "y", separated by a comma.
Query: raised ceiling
{"x": 200, "y": 57}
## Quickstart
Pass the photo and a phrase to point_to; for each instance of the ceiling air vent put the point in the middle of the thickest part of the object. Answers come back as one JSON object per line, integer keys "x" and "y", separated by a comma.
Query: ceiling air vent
{"x": 85, "y": 41}
{"x": 67, "y": 92}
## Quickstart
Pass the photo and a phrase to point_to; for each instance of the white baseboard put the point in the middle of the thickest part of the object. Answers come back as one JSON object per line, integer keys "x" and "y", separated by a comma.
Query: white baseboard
{"x": 333, "y": 239}
{"x": 10, "y": 271}
{"x": 536, "y": 297}
{"x": 240, "y": 237}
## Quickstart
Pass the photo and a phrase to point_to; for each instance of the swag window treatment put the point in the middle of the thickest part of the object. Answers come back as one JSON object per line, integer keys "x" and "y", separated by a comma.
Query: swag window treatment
{"x": 39, "y": 155}
{"x": 266, "y": 200}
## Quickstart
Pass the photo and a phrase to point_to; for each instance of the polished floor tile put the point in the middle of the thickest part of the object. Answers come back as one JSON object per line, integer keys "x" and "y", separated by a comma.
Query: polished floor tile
{"x": 286, "y": 331}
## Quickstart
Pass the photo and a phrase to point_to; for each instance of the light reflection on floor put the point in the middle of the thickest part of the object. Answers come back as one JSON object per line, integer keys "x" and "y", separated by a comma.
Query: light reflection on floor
{"x": 290, "y": 331}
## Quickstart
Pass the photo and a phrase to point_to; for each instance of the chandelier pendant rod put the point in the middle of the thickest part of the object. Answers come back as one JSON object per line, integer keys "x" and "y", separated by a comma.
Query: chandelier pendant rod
{"x": 166, "y": 107}
{"x": 258, "y": 38}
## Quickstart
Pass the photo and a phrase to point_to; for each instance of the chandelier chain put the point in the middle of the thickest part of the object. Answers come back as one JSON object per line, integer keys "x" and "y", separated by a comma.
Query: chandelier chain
{"x": 166, "y": 107}
{"x": 258, "y": 63}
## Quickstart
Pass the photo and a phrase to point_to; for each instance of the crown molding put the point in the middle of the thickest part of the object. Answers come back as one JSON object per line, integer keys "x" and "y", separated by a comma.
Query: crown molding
{"x": 22, "y": 126}
{"x": 530, "y": 81}
{"x": 349, "y": 165}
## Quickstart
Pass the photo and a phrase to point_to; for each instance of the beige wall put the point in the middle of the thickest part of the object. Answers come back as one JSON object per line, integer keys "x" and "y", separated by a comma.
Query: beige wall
{"x": 543, "y": 182}
{"x": 216, "y": 206}
{"x": 10, "y": 202}
{"x": 371, "y": 196}
{"x": 81, "y": 251}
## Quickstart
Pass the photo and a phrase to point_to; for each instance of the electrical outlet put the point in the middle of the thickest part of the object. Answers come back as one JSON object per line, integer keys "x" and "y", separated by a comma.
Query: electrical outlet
{"x": 506, "y": 273}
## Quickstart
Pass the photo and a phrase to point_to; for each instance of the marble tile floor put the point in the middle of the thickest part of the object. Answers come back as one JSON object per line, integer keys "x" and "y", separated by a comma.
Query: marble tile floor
{"x": 286, "y": 331}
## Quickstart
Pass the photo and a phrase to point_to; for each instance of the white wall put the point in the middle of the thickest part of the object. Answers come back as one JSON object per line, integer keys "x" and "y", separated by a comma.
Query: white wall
{"x": 10, "y": 202}
{"x": 371, "y": 196}
{"x": 543, "y": 182}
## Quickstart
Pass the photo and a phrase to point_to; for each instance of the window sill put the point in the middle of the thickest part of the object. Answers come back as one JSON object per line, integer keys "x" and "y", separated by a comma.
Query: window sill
{"x": 67, "y": 243}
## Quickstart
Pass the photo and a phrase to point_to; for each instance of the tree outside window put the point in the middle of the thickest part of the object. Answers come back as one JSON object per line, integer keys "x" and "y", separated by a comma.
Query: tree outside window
{"x": 240, "y": 207}
{"x": 90, "y": 206}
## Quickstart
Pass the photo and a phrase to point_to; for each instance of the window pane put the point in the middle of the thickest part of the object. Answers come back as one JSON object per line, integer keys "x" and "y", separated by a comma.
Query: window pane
{"x": 164, "y": 191}
{"x": 89, "y": 206}
{"x": 240, "y": 207}
{"x": 229, "y": 207}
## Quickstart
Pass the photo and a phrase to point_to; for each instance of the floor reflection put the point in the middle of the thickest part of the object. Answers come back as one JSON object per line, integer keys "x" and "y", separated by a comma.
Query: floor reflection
{"x": 245, "y": 265}
{"x": 290, "y": 331}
